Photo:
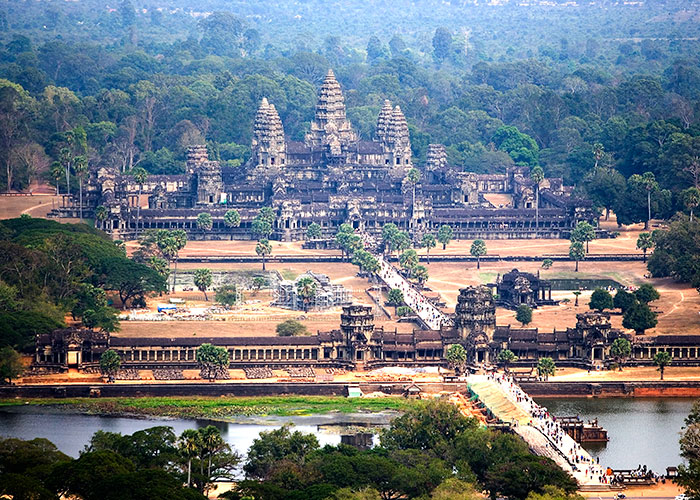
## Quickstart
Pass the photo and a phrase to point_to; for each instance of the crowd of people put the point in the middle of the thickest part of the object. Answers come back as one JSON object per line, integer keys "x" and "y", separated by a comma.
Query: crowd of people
{"x": 547, "y": 424}
{"x": 430, "y": 314}
{"x": 258, "y": 372}
{"x": 168, "y": 374}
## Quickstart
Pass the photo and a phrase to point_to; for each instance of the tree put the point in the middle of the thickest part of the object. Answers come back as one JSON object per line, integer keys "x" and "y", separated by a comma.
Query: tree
{"x": 646, "y": 293}
{"x": 600, "y": 300}
{"x": 277, "y": 446}
{"x": 80, "y": 165}
{"x": 661, "y": 360}
{"x": 261, "y": 228}
{"x": 650, "y": 185}
{"x": 408, "y": 260}
{"x": 524, "y": 314}
{"x": 291, "y": 328}
{"x": 644, "y": 243}
{"x": 537, "y": 176}
{"x": 547, "y": 263}
{"x": 639, "y": 317}
{"x": 10, "y": 365}
{"x": 546, "y": 368}
{"x": 306, "y": 290}
{"x": 205, "y": 221}
{"x": 444, "y": 235}
{"x": 623, "y": 300}
{"x": 170, "y": 243}
{"x": 456, "y": 356}
{"x": 132, "y": 280}
{"x": 211, "y": 360}
{"x": 442, "y": 43}
{"x": 345, "y": 239}
{"x": 110, "y": 363}
{"x": 226, "y": 295}
{"x": 101, "y": 215}
{"x": 140, "y": 175}
{"x": 389, "y": 232}
{"x": 258, "y": 283}
{"x": 413, "y": 178}
{"x": 506, "y": 357}
{"x": 691, "y": 199}
{"x": 263, "y": 248}
{"x": 576, "y": 252}
{"x": 232, "y": 219}
{"x": 313, "y": 232}
{"x": 203, "y": 280}
{"x": 189, "y": 445}
{"x": 577, "y": 293}
{"x": 428, "y": 241}
{"x": 621, "y": 349}
{"x": 478, "y": 250}
{"x": 420, "y": 274}
{"x": 395, "y": 298}
{"x": 584, "y": 233}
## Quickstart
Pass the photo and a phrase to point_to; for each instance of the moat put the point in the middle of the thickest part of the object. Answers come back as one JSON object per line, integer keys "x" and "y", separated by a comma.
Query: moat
{"x": 641, "y": 431}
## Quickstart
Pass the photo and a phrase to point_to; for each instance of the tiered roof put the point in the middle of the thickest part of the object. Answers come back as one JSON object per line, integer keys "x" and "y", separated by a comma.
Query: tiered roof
{"x": 385, "y": 116}
{"x": 267, "y": 128}
{"x": 330, "y": 122}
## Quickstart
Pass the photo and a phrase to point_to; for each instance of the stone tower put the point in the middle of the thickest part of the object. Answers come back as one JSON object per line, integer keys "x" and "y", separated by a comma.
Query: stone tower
{"x": 268, "y": 146}
{"x": 330, "y": 127}
{"x": 437, "y": 157}
{"x": 357, "y": 326}
{"x": 210, "y": 185}
{"x": 398, "y": 143}
{"x": 383, "y": 121}
{"x": 475, "y": 312}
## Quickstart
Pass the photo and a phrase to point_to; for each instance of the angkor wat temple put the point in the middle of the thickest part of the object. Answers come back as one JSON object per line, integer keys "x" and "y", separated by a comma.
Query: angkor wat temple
{"x": 333, "y": 177}
{"x": 360, "y": 344}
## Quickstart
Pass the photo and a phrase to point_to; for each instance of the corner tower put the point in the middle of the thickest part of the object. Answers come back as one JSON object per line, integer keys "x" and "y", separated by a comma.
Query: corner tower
{"x": 330, "y": 126}
{"x": 268, "y": 146}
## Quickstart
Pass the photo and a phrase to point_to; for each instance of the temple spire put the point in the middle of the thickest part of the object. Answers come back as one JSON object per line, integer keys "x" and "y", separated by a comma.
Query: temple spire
{"x": 268, "y": 144}
{"x": 330, "y": 125}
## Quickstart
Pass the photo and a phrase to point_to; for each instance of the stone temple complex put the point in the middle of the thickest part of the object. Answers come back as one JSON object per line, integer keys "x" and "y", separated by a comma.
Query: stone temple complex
{"x": 359, "y": 344}
{"x": 333, "y": 177}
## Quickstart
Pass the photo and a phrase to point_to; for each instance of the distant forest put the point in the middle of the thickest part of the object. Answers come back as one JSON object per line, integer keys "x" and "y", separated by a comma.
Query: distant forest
{"x": 598, "y": 94}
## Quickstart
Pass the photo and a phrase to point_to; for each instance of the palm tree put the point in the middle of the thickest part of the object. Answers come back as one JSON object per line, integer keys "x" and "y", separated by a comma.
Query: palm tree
{"x": 546, "y": 368}
{"x": 662, "y": 359}
{"x": 101, "y": 214}
{"x": 306, "y": 289}
{"x": 577, "y": 252}
{"x": 428, "y": 241}
{"x": 140, "y": 175}
{"x": 537, "y": 176}
{"x": 56, "y": 173}
{"x": 263, "y": 249}
{"x": 650, "y": 185}
{"x": 506, "y": 357}
{"x": 212, "y": 442}
{"x": 232, "y": 219}
{"x": 81, "y": 168}
{"x": 691, "y": 199}
{"x": 413, "y": 177}
{"x": 477, "y": 250}
{"x": 189, "y": 444}
{"x": 644, "y": 243}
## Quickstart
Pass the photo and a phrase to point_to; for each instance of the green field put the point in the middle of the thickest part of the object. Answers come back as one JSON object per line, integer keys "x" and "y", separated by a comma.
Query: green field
{"x": 221, "y": 407}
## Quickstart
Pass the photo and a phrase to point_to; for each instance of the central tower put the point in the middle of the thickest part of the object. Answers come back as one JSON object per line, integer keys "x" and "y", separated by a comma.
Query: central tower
{"x": 330, "y": 127}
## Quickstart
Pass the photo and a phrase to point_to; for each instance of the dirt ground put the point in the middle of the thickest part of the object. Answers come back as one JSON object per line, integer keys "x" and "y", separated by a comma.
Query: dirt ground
{"x": 38, "y": 205}
{"x": 643, "y": 373}
{"x": 658, "y": 491}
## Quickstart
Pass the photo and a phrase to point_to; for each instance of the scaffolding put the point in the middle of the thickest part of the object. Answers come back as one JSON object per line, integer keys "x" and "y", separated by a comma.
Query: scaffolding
{"x": 327, "y": 295}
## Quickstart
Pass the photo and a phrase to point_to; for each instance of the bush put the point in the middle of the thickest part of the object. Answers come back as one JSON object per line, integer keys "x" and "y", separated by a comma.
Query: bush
{"x": 291, "y": 328}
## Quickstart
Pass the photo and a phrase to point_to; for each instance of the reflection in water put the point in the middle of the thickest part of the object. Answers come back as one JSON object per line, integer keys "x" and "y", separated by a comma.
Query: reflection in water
{"x": 641, "y": 431}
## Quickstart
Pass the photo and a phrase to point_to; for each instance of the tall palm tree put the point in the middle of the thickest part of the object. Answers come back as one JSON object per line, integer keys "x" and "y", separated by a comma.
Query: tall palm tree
{"x": 306, "y": 289}
{"x": 140, "y": 175}
{"x": 537, "y": 176}
{"x": 189, "y": 444}
{"x": 212, "y": 442}
{"x": 80, "y": 164}
{"x": 650, "y": 185}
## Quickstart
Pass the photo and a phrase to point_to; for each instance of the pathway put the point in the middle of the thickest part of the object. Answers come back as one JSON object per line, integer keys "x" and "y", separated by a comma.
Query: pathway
{"x": 431, "y": 316}
{"x": 533, "y": 423}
